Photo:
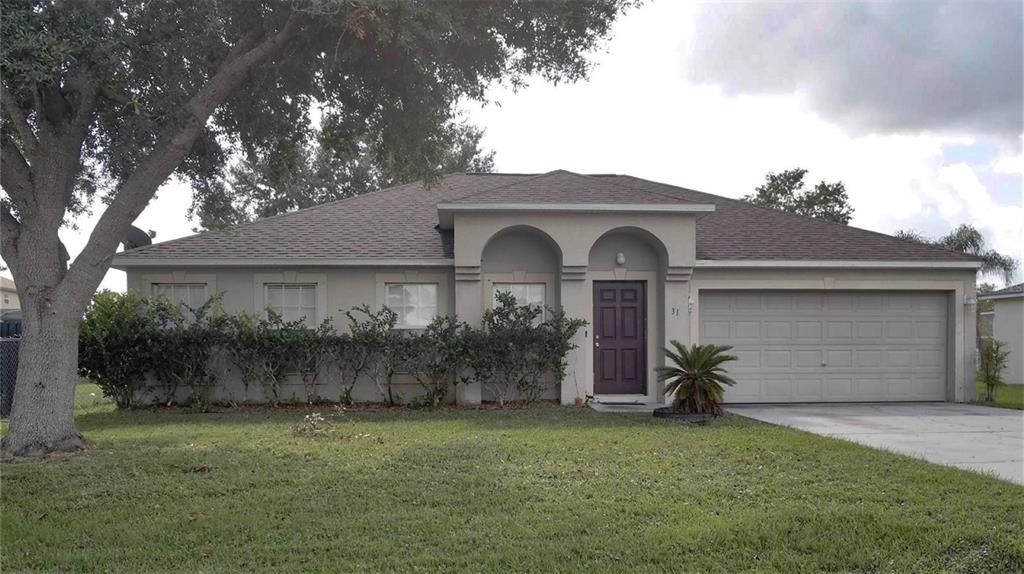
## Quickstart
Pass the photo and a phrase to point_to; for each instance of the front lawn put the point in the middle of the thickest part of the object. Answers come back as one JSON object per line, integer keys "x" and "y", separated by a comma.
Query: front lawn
{"x": 541, "y": 489}
{"x": 1007, "y": 396}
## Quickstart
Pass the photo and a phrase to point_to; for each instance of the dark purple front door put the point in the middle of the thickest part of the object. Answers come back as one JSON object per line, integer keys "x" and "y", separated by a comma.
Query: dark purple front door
{"x": 620, "y": 337}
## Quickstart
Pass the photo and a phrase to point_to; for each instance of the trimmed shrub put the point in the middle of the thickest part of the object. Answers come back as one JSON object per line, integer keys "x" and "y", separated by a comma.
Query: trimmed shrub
{"x": 126, "y": 339}
{"x": 116, "y": 343}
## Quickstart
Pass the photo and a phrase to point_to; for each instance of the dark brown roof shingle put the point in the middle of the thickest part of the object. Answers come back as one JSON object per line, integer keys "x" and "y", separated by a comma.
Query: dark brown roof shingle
{"x": 401, "y": 223}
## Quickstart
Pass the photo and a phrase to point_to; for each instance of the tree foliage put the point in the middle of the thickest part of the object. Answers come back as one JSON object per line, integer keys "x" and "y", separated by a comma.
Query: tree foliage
{"x": 109, "y": 98}
{"x": 296, "y": 177}
{"x": 966, "y": 238}
{"x": 786, "y": 191}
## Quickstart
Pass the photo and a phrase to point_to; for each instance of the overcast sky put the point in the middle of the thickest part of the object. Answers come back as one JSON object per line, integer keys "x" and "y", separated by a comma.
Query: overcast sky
{"x": 917, "y": 108}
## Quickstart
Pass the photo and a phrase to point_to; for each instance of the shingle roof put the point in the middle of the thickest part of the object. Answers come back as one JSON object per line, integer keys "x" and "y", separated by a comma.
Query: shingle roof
{"x": 1004, "y": 293}
{"x": 562, "y": 186}
{"x": 401, "y": 223}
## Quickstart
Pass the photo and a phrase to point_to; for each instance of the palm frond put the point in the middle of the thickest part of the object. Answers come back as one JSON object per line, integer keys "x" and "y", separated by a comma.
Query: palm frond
{"x": 695, "y": 376}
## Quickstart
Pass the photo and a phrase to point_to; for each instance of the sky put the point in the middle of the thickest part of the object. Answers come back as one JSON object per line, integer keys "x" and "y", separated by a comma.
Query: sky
{"x": 916, "y": 108}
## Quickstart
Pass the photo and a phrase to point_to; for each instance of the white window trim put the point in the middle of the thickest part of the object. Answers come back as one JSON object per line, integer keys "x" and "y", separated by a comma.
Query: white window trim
{"x": 443, "y": 280}
{"x": 147, "y": 281}
{"x": 173, "y": 284}
{"x": 548, "y": 279}
{"x": 496, "y": 286}
{"x": 311, "y": 321}
{"x": 260, "y": 281}
{"x": 437, "y": 303}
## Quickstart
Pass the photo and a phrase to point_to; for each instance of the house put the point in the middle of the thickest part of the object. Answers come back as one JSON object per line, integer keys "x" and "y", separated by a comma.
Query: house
{"x": 8, "y": 295}
{"x": 816, "y": 311}
{"x": 1008, "y": 326}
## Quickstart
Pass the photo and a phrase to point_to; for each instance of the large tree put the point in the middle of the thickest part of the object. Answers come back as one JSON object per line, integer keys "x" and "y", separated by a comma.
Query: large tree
{"x": 786, "y": 191}
{"x": 107, "y": 99}
{"x": 297, "y": 174}
{"x": 968, "y": 239}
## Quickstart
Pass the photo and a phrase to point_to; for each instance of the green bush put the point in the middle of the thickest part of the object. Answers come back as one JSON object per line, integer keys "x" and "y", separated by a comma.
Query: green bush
{"x": 128, "y": 339}
{"x": 185, "y": 350}
{"x": 436, "y": 357}
{"x": 511, "y": 352}
{"x": 117, "y": 341}
{"x": 695, "y": 377}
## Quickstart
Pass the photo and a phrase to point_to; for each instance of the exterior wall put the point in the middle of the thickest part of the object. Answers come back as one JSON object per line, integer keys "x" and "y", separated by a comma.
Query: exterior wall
{"x": 9, "y": 299}
{"x": 338, "y": 290}
{"x": 570, "y": 252}
{"x": 521, "y": 256}
{"x": 1008, "y": 326}
{"x": 668, "y": 238}
{"x": 959, "y": 284}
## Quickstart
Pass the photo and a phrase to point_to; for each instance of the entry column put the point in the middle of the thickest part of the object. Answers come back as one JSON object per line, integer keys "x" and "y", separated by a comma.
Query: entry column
{"x": 576, "y": 302}
{"x": 469, "y": 307}
{"x": 677, "y": 307}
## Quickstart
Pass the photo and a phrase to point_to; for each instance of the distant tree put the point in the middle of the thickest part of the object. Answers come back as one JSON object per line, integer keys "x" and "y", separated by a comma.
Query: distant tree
{"x": 967, "y": 239}
{"x": 328, "y": 168}
{"x": 786, "y": 191}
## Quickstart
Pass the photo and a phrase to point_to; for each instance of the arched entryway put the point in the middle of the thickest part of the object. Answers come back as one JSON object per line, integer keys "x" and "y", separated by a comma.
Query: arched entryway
{"x": 626, "y": 272}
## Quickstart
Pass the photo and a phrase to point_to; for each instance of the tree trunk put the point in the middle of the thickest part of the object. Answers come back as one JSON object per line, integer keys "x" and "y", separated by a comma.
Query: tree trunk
{"x": 43, "y": 417}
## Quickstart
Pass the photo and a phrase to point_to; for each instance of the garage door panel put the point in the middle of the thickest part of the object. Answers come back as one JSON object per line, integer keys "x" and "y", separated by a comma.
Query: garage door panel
{"x": 869, "y": 330}
{"x": 746, "y": 330}
{"x": 796, "y": 346}
{"x": 930, "y": 330}
{"x": 808, "y": 331}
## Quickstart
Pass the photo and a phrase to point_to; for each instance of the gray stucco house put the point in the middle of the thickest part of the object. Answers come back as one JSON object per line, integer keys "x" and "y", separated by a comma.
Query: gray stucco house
{"x": 817, "y": 312}
{"x": 1008, "y": 326}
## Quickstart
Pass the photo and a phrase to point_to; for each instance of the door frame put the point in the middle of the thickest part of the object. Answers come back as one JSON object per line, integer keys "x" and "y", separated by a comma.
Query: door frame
{"x": 645, "y": 341}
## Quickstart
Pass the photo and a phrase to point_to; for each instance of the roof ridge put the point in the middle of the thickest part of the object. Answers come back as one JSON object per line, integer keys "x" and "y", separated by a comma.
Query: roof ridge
{"x": 509, "y": 184}
{"x": 747, "y": 204}
{"x": 605, "y": 179}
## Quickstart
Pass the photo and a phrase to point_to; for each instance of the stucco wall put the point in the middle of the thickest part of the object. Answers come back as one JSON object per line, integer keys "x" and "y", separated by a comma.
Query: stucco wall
{"x": 338, "y": 290}
{"x": 673, "y": 305}
{"x": 1008, "y": 326}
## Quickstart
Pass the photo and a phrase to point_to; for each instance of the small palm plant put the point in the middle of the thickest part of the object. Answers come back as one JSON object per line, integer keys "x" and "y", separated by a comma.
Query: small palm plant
{"x": 695, "y": 377}
{"x": 993, "y": 358}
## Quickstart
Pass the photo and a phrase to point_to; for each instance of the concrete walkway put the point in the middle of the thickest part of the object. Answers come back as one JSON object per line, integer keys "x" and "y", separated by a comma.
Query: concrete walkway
{"x": 985, "y": 439}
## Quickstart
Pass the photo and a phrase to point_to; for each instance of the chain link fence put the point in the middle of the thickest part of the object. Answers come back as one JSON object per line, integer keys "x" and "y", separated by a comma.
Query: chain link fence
{"x": 8, "y": 372}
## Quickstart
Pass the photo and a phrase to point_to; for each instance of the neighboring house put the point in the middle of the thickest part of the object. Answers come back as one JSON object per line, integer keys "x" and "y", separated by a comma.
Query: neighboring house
{"x": 8, "y": 295}
{"x": 816, "y": 311}
{"x": 1008, "y": 326}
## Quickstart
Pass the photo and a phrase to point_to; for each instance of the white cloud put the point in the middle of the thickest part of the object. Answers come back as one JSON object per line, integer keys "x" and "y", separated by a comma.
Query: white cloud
{"x": 639, "y": 115}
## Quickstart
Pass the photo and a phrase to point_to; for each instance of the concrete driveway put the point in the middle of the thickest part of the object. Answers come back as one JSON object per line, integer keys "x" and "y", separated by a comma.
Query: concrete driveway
{"x": 973, "y": 437}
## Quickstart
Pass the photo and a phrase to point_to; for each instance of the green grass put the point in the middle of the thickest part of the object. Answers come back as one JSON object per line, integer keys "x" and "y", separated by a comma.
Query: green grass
{"x": 540, "y": 489}
{"x": 1007, "y": 396}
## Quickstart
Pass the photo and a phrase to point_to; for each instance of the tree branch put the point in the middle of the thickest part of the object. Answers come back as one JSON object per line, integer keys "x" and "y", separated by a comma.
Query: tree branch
{"x": 10, "y": 230}
{"x": 29, "y": 143}
{"x": 92, "y": 263}
{"x": 16, "y": 175}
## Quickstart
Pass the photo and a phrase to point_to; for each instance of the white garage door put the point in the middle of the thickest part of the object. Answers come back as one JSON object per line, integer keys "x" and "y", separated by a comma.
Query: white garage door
{"x": 830, "y": 346}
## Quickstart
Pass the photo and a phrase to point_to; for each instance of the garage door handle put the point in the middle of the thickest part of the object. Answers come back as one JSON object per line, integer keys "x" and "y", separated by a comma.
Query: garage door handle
{"x": 824, "y": 364}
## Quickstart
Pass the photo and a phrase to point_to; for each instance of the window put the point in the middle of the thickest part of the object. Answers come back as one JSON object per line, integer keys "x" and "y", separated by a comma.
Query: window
{"x": 292, "y": 302}
{"x": 415, "y": 303}
{"x": 531, "y": 294}
{"x": 187, "y": 295}
{"x": 7, "y": 299}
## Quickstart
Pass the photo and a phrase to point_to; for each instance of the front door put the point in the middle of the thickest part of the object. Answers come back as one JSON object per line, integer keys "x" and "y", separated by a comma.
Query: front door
{"x": 620, "y": 337}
